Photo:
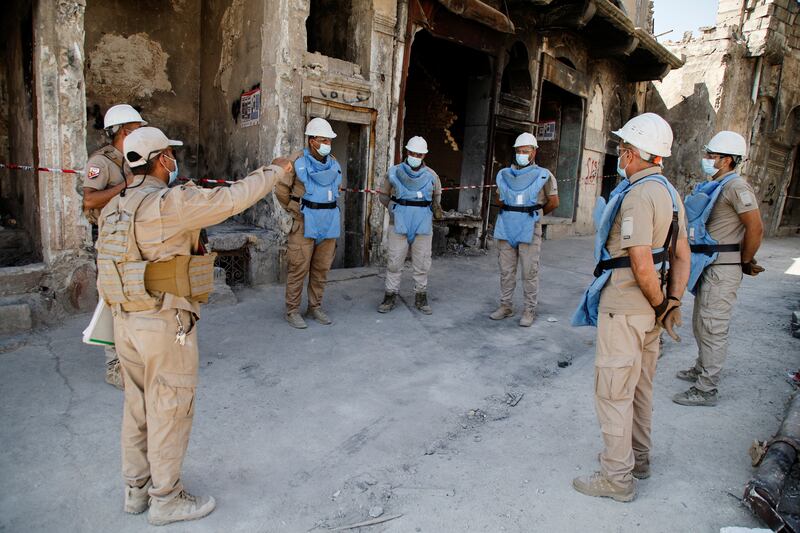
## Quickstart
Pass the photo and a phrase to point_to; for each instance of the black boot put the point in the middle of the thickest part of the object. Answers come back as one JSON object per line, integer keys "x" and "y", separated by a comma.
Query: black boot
{"x": 388, "y": 302}
{"x": 421, "y": 303}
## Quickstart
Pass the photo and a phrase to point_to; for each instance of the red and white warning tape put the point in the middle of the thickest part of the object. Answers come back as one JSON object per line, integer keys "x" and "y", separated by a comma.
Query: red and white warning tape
{"x": 31, "y": 168}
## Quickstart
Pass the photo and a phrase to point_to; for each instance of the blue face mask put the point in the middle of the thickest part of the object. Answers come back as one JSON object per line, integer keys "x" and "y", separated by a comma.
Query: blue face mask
{"x": 708, "y": 166}
{"x": 324, "y": 149}
{"x": 620, "y": 170}
{"x": 173, "y": 175}
{"x": 523, "y": 160}
{"x": 414, "y": 162}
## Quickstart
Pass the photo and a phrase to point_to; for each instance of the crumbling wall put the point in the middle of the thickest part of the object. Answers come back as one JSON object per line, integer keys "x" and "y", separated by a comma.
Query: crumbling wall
{"x": 146, "y": 54}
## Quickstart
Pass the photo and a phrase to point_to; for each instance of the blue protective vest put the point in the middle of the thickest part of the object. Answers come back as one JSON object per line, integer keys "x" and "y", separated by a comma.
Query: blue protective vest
{"x": 519, "y": 188}
{"x": 321, "y": 216}
{"x": 699, "y": 205}
{"x": 415, "y": 187}
{"x": 604, "y": 215}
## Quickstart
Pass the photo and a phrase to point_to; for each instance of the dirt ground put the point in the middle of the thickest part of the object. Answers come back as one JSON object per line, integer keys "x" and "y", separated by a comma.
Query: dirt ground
{"x": 402, "y": 414}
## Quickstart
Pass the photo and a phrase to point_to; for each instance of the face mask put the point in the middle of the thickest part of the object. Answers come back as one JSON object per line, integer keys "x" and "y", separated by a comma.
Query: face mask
{"x": 173, "y": 175}
{"x": 708, "y": 166}
{"x": 324, "y": 149}
{"x": 414, "y": 162}
{"x": 523, "y": 160}
{"x": 621, "y": 170}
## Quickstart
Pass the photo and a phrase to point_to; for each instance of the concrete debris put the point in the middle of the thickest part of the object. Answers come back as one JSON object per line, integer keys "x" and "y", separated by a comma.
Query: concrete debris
{"x": 375, "y": 511}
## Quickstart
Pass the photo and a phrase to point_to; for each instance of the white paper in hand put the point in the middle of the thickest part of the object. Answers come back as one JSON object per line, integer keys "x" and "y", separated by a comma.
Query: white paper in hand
{"x": 100, "y": 330}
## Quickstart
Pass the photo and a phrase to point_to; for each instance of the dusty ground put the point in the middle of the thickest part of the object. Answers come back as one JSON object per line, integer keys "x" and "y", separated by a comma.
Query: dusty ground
{"x": 305, "y": 430}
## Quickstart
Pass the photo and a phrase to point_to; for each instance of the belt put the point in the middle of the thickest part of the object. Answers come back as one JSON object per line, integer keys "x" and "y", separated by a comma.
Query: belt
{"x": 625, "y": 262}
{"x": 412, "y": 203}
{"x": 709, "y": 249}
{"x": 530, "y": 209}
{"x": 318, "y": 205}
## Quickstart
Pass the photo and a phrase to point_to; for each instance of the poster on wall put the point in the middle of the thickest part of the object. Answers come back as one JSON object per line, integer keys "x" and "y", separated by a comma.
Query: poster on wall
{"x": 250, "y": 109}
{"x": 546, "y": 131}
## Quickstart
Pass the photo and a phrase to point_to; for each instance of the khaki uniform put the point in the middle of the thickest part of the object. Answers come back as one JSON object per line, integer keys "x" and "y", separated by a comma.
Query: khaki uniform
{"x": 526, "y": 254}
{"x": 106, "y": 168}
{"x": 627, "y": 335}
{"x": 716, "y": 294}
{"x": 160, "y": 373}
{"x": 398, "y": 246}
{"x": 304, "y": 256}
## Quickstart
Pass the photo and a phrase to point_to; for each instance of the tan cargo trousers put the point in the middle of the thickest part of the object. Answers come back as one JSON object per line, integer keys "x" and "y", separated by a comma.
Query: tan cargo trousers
{"x": 528, "y": 256}
{"x": 713, "y": 307}
{"x": 627, "y": 353}
{"x": 420, "y": 260}
{"x": 306, "y": 258}
{"x": 160, "y": 381}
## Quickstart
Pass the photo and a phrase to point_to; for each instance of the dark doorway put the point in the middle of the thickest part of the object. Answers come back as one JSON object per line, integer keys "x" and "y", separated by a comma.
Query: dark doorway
{"x": 330, "y": 29}
{"x": 791, "y": 208}
{"x": 350, "y": 149}
{"x": 610, "y": 177}
{"x": 560, "y": 152}
{"x": 20, "y": 234}
{"x": 447, "y": 101}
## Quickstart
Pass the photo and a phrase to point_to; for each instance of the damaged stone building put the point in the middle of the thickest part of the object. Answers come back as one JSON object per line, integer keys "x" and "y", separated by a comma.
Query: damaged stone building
{"x": 236, "y": 80}
{"x": 743, "y": 74}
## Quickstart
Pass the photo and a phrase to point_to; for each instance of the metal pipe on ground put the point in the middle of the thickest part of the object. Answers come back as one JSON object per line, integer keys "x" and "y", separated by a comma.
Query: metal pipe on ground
{"x": 765, "y": 490}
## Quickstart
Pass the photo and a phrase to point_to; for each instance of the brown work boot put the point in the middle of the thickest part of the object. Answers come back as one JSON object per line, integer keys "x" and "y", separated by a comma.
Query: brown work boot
{"x": 688, "y": 375}
{"x": 114, "y": 375}
{"x": 295, "y": 320}
{"x": 319, "y": 315}
{"x": 421, "y": 303}
{"x": 600, "y": 486}
{"x": 528, "y": 316}
{"x": 137, "y": 499}
{"x": 502, "y": 312}
{"x": 182, "y": 507}
{"x": 696, "y": 397}
{"x": 388, "y": 302}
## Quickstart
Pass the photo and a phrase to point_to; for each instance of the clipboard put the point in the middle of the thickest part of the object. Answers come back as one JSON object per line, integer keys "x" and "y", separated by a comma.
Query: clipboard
{"x": 100, "y": 331}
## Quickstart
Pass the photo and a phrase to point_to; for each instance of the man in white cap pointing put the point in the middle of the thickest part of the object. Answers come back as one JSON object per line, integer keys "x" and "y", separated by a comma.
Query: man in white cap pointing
{"x": 154, "y": 273}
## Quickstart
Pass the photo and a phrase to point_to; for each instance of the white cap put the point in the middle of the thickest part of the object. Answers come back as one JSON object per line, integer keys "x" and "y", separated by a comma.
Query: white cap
{"x": 526, "y": 139}
{"x": 418, "y": 145}
{"x": 319, "y": 127}
{"x": 144, "y": 144}
{"x": 648, "y": 132}
{"x": 728, "y": 143}
{"x": 121, "y": 114}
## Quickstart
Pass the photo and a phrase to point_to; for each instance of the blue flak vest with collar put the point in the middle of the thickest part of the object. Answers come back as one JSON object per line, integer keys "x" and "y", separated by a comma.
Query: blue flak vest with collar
{"x": 519, "y": 190}
{"x": 705, "y": 249}
{"x": 321, "y": 217}
{"x": 411, "y": 203}
{"x": 604, "y": 215}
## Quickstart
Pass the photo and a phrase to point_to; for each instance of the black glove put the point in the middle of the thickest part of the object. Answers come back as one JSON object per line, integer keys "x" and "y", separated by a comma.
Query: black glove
{"x": 668, "y": 316}
{"x": 752, "y": 268}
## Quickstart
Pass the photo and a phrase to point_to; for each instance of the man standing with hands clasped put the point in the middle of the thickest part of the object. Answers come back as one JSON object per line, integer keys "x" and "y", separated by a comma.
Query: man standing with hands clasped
{"x": 640, "y": 250}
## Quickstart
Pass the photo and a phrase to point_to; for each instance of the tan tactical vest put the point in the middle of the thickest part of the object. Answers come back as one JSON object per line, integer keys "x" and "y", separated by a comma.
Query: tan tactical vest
{"x": 125, "y": 278}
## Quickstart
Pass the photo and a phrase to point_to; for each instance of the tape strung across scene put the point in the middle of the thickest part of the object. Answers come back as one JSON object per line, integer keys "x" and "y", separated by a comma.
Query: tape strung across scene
{"x": 211, "y": 181}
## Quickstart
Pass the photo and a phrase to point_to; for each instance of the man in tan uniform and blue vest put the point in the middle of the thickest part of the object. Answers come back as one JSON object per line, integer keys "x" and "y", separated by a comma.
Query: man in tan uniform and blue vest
{"x": 413, "y": 198}
{"x": 526, "y": 192}
{"x": 725, "y": 232}
{"x": 639, "y": 232}
{"x": 105, "y": 177}
{"x": 309, "y": 195}
{"x": 153, "y": 273}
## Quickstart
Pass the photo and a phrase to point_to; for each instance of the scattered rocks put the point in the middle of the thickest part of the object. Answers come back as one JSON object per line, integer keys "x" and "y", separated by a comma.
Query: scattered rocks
{"x": 375, "y": 511}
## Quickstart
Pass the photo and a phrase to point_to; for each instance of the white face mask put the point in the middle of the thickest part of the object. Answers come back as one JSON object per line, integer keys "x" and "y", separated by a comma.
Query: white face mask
{"x": 523, "y": 160}
{"x": 324, "y": 149}
{"x": 708, "y": 166}
{"x": 414, "y": 162}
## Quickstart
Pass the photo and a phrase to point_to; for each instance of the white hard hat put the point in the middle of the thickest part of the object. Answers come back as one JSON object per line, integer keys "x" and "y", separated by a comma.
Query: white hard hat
{"x": 728, "y": 143}
{"x": 648, "y": 132}
{"x": 418, "y": 145}
{"x": 319, "y": 127}
{"x": 144, "y": 143}
{"x": 526, "y": 139}
{"x": 122, "y": 114}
